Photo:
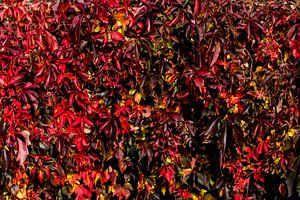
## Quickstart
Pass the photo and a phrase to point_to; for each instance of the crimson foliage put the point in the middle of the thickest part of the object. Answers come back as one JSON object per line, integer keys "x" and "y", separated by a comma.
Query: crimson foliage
{"x": 109, "y": 99}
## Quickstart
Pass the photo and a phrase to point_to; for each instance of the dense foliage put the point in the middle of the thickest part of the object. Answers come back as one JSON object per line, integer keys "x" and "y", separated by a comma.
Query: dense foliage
{"x": 149, "y": 99}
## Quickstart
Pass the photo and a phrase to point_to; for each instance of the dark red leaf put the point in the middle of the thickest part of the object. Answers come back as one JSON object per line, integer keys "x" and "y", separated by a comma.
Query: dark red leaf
{"x": 216, "y": 54}
{"x": 200, "y": 84}
{"x": 292, "y": 30}
{"x": 248, "y": 31}
{"x": 16, "y": 80}
{"x": 212, "y": 126}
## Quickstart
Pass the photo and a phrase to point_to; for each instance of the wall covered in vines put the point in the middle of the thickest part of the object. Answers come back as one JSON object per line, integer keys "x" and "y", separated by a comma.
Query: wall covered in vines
{"x": 149, "y": 99}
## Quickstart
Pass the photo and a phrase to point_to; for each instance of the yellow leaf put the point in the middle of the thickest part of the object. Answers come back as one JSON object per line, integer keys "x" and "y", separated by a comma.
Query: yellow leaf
{"x": 128, "y": 186}
{"x": 96, "y": 179}
{"x": 209, "y": 197}
{"x": 21, "y": 194}
{"x": 278, "y": 144}
{"x": 248, "y": 167}
{"x": 259, "y": 68}
{"x": 111, "y": 189}
{"x": 194, "y": 197}
{"x": 221, "y": 193}
{"x": 69, "y": 176}
{"x": 132, "y": 91}
{"x": 102, "y": 197}
{"x": 168, "y": 160}
{"x": 163, "y": 190}
{"x": 96, "y": 29}
{"x": 101, "y": 101}
{"x": 277, "y": 160}
{"x": 186, "y": 172}
{"x": 137, "y": 97}
{"x": 286, "y": 56}
{"x": 292, "y": 132}
{"x": 210, "y": 26}
{"x": 203, "y": 192}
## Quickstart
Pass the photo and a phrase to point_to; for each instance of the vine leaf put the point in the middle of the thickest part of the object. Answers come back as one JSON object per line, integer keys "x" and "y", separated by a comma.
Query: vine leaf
{"x": 117, "y": 36}
{"x": 52, "y": 41}
{"x": 23, "y": 142}
{"x": 216, "y": 54}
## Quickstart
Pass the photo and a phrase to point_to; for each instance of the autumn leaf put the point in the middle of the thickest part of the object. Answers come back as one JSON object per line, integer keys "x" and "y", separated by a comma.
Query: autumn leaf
{"x": 168, "y": 172}
{"x": 52, "y": 41}
{"x": 216, "y": 54}
{"x": 82, "y": 193}
{"x": 23, "y": 142}
{"x": 197, "y": 7}
{"x": 120, "y": 191}
{"x": 200, "y": 84}
{"x": 117, "y": 36}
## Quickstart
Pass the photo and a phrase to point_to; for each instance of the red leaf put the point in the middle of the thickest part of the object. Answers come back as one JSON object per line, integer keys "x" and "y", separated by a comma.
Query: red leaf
{"x": 118, "y": 64}
{"x": 41, "y": 176}
{"x": 32, "y": 95}
{"x": 200, "y": 84}
{"x": 47, "y": 80}
{"x": 22, "y": 152}
{"x": 58, "y": 112}
{"x": 296, "y": 53}
{"x": 2, "y": 81}
{"x": 197, "y": 8}
{"x": 126, "y": 6}
{"x": 203, "y": 72}
{"x": 117, "y": 36}
{"x": 121, "y": 192}
{"x": 52, "y": 41}
{"x": 185, "y": 194}
{"x": 3, "y": 13}
{"x": 88, "y": 122}
{"x": 16, "y": 80}
{"x": 168, "y": 173}
{"x": 76, "y": 122}
{"x": 63, "y": 120}
{"x": 291, "y": 31}
{"x": 248, "y": 31}
{"x": 85, "y": 76}
{"x": 77, "y": 85}
{"x": 29, "y": 85}
{"x": 82, "y": 193}
{"x": 119, "y": 154}
{"x": 175, "y": 20}
{"x": 216, "y": 54}
{"x": 293, "y": 44}
{"x": 76, "y": 21}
